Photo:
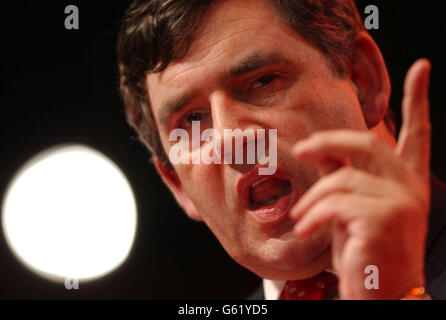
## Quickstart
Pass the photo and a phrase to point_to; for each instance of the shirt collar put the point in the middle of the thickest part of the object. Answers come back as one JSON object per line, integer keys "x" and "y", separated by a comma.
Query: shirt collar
{"x": 272, "y": 288}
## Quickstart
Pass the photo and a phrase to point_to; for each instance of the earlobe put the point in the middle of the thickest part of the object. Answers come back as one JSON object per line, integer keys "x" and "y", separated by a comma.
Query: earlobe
{"x": 174, "y": 184}
{"x": 369, "y": 74}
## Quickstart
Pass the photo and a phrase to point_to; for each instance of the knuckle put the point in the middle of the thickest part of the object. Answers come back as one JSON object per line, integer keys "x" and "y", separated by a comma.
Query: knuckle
{"x": 423, "y": 131}
{"x": 346, "y": 174}
{"x": 405, "y": 204}
{"x": 329, "y": 182}
{"x": 335, "y": 203}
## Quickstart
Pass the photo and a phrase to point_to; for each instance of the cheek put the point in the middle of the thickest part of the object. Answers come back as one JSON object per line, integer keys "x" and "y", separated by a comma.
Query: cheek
{"x": 342, "y": 109}
{"x": 204, "y": 185}
{"x": 215, "y": 202}
{"x": 318, "y": 105}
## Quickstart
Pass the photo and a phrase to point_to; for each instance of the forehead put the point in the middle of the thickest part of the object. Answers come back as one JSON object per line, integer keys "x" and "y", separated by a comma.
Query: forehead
{"x": 222, "y": 25}
{"x": 228, "y": 32}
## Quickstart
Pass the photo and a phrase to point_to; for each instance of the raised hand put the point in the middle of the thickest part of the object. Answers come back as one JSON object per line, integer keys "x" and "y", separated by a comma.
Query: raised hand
{"x": 377, "y": 198}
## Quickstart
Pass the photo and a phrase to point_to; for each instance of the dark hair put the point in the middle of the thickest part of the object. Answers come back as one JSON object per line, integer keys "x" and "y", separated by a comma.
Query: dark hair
{"x": 155, "y": 32}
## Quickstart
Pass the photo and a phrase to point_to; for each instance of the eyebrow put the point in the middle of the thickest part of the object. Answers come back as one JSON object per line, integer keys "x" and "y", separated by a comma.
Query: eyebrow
{"x": 174, "y": 105}
{"x": 256, "y": 60}
{"x": 250, "y": 63}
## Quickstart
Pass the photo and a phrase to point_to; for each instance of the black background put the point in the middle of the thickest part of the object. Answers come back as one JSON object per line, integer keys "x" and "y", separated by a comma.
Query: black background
{"x": 60, "y": 86}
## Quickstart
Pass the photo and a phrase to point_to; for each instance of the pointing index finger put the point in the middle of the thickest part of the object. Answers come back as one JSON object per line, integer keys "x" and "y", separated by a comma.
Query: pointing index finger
{"x": 414, "y": 141}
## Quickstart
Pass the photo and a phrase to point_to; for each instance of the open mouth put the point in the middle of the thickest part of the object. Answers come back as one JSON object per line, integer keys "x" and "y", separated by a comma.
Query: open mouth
{"x": 266, "y": 192}
{"x": 267, "y": 199}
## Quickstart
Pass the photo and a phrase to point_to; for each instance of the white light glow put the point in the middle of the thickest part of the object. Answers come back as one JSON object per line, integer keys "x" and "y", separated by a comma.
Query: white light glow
{"x": 70, "y": 213}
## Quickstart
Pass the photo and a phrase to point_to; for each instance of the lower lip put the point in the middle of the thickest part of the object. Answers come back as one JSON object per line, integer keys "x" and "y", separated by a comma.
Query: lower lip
{"x": 274, "y": 213}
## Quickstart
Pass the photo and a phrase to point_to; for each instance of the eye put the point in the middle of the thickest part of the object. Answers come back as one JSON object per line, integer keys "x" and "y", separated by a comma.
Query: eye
{"x": 264, "y": 89}
{"x": 264, "y": 81}
{"x": 203, "y": 118}
{"x": 194, "y": 117}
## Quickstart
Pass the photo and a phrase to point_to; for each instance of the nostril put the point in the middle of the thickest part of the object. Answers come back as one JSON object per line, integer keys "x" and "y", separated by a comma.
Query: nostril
{"x": 243, "y": 168}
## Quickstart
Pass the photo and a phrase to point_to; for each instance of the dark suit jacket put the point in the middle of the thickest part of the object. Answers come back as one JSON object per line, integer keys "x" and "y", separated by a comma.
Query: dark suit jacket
{"x": 435, "y": 268}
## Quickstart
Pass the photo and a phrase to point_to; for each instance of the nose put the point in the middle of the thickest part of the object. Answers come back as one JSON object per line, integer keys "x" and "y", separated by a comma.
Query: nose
{"x": 228, "y": 113}
{"x": 238, "y": 125}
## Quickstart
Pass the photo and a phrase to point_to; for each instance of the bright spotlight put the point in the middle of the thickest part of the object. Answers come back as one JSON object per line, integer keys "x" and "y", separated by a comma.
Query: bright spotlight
{"x": 70, "y": 213}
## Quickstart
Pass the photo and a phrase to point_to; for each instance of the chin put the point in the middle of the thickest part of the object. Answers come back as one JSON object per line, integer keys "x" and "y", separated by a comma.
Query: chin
{"x": 288, "y": 258}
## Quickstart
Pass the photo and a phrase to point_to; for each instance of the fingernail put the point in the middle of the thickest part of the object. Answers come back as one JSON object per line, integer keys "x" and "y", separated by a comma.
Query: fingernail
{"x": 294, "y": 213}
{"x": 298, "y": 231}
{"x": 301, "y": 147}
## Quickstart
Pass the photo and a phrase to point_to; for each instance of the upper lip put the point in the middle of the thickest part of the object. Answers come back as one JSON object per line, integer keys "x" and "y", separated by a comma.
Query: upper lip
{"x": 252, "y": 177}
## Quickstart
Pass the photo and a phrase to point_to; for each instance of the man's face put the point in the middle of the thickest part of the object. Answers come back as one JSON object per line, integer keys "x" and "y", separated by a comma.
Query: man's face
{"x": 247, "y": 69}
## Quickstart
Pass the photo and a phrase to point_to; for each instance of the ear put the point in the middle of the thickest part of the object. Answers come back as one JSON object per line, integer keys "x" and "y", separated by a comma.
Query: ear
{"x": 369, "y": 74}
{"x": 171, "y": 179}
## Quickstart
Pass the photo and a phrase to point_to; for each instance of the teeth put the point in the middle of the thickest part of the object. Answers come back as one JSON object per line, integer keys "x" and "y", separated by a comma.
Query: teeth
{"x": 259, "y": 182}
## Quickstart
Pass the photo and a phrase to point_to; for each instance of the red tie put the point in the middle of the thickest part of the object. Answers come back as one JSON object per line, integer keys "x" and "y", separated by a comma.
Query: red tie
{"x": 320, "y": 287}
